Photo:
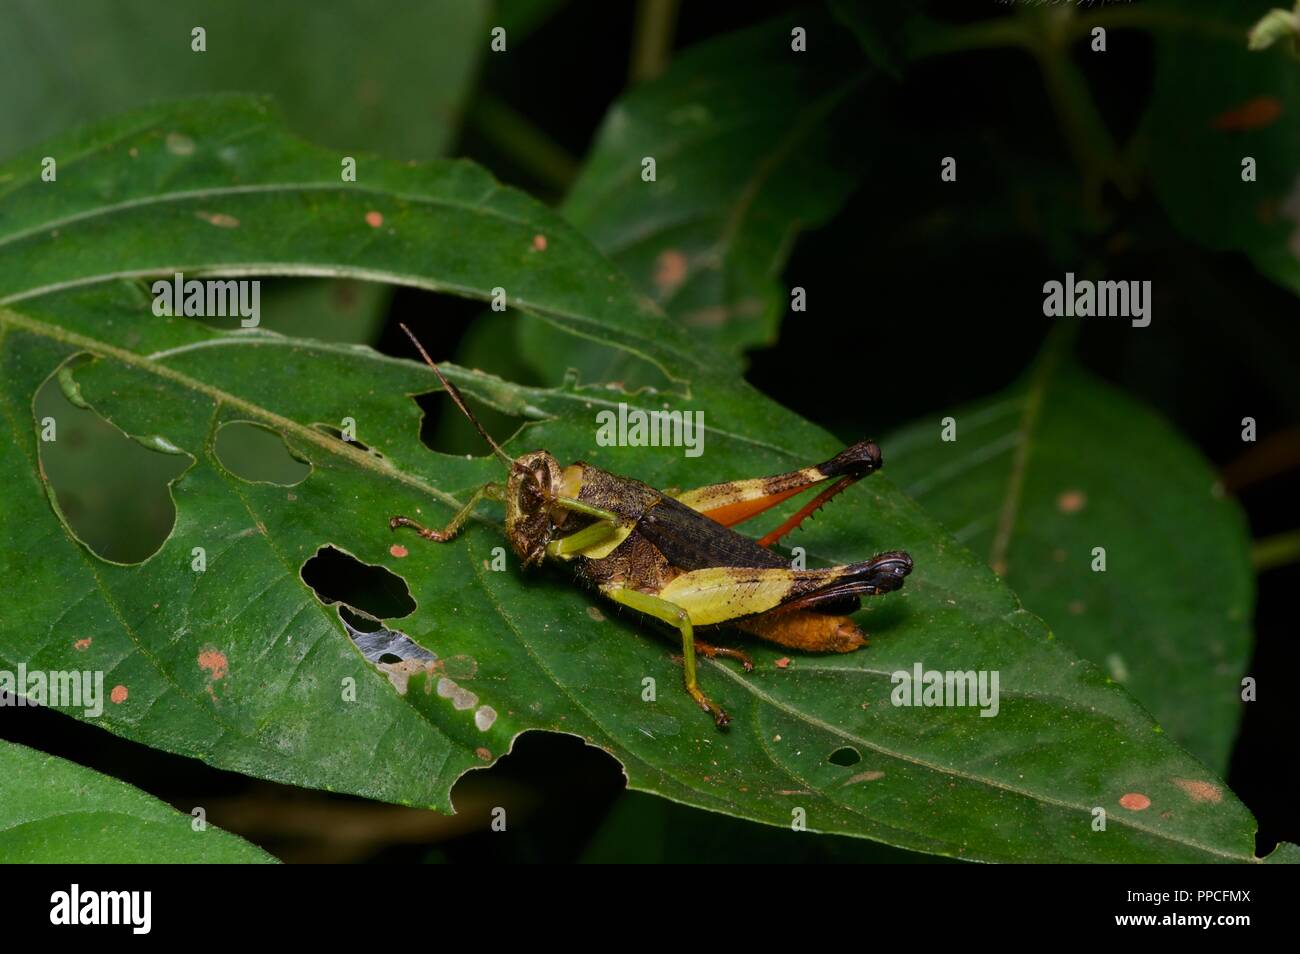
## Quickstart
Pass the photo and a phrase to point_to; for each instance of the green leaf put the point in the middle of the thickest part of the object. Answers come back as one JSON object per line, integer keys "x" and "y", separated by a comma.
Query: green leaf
{"x": 57, "y": 812}
{"x": 1216, "y": 103}
{"x": 235, "y": 193}
{"x": 393, "y": 84}
{"x": 753, "y": 144}
{"x": 331, "y": 310}
{"x": 1040, "y": 476}
{"x": 521, "y": 18}
{"x": 241, "y": 665}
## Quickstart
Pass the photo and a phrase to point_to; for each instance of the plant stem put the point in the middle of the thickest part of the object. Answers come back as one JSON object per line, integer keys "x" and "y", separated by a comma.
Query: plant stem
{"x": 929, "y": 39}
{"x": 1081, "y": 123}
{"x": 1138, "y": 18}
{"x": 656, "y": 22}
{"x": 1046, "y": 35}
{"x": 524, "y": 142}
{"x": 1279, "y": 550}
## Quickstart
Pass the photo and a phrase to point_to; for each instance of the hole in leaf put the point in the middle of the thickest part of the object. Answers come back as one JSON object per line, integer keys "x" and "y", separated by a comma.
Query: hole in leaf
{"x": 256, "y": 453}
{"x": 325, "y": 309}
{"x": 337, "y": 434}
{"x": 845, "y": 756}
{"x": 378, "y": 643}
{"x": 361, "y": 622}
{"x": 339, "y": 577}
{"x": 445, "y": 430}
{"x": 112, "y": 488}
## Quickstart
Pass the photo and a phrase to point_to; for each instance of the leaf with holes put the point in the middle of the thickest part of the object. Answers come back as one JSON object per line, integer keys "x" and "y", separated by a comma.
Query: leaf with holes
{"x": 225, "y": 653}
{"x": 1111, "y": 528}
{"x": 57, "y": 812}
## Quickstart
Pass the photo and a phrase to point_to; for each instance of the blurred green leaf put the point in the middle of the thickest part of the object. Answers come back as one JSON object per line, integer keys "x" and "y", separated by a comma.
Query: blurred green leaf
{"x": 390, "y": 81}
{"x": 1060, "y": 464}
{"x": 242, "y": 666}
{"x": 341, "y": 310}
{"x": 753, "y": 144}
{"x": 520, "y": 18}
{"x": 58, "y": 812}
{"x": 1216, "y": 103}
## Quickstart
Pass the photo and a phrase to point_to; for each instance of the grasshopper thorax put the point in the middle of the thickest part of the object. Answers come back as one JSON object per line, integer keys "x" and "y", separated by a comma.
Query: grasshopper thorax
{"x": 533, "y": 485}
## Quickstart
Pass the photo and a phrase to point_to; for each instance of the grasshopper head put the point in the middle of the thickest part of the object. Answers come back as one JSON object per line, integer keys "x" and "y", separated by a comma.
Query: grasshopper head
{"x": 534, "y": 483}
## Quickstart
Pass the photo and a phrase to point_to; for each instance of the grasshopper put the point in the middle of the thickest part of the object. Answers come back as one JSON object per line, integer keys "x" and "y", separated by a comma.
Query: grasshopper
{"x": 673, "y": 556}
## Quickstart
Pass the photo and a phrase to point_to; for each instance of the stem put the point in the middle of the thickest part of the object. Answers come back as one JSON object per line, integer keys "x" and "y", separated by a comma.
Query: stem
{"x": 1279, "y": 550}
{"x": 1139, "y": 18}
{"x": 931, "y": 40}
{"x": 1081, "y": 123}
{"x": 522, "y": 141}
{"x": 656, "y": 22}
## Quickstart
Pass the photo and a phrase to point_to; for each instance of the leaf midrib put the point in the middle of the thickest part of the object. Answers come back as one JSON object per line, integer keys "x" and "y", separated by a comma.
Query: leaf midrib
{"x": 310, "y": 435}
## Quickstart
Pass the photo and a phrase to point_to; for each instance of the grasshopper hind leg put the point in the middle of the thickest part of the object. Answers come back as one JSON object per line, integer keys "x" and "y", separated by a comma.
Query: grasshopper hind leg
{"x": 674, "y": 615}
{"x": 725, "y": 652}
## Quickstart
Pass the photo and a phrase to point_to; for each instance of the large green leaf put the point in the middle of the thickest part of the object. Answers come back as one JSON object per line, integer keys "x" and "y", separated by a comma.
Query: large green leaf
{"x": 393, "y": 83}
{"x": 242, "y": 666}
{"x": 753, "y": 144}
{"x": 1215, "y": 103}
{"x": 1061, "y": 464}
{"x": 53, "y": 811}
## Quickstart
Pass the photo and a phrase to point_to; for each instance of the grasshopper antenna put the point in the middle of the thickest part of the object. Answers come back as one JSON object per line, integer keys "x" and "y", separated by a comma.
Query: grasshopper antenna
{"x": 455, "y": 396}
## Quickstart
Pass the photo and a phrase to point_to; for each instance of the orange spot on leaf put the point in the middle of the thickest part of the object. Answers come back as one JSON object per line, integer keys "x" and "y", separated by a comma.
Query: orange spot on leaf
{"x": 374, "y": 219}
{"x": 214, "y": 663}
{"x": 539, "y": 243}
{"x": 783, "y": 662}
{"x": 1071, "y": 501}
{"x": 1199, "y": 791}
{"x": 398, "y": 550}
{"x": 82, "y": 644}
{"x": 1253, "y": 114}
{"x": 1135, "y": 802}
{"x": 863, "y": 777}
{"x": 670, "y": 270}
{"x": 219, "y": 219}
{"x": 119, "y": 694}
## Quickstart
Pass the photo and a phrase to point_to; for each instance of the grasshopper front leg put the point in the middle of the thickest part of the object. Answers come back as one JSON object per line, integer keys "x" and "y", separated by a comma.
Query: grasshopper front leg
{"x": 674, "y": 615}
{"x": 491, "y": 491}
